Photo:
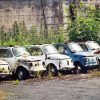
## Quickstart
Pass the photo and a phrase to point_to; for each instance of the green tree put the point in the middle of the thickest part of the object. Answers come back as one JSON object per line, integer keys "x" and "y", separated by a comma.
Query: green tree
{"x": 85, "y": 27}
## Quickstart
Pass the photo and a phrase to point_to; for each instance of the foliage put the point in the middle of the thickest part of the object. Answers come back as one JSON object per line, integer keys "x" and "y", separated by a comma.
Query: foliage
{"x": 20, "y": 35}
{"x": 86, "y": 26}
{"x": 16, "y": 82}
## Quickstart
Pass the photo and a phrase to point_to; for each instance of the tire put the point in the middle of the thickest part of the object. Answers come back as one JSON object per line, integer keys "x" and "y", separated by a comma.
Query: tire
{"x": 51, "y": 69}
{"x": 84, "y": 70}
{"x": 22, "y": 74}
{"x": 13, "y": 77}
{"x": 79, "y": 69}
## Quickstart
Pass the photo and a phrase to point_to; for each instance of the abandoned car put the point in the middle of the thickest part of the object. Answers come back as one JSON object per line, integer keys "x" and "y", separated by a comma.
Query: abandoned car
{"x": 51, "y": 58}
{"x": 82, "y": 60}
{"x": 4, "y": 69}
{"x": 21, "y": 62}
{"x": 91, "y": 46}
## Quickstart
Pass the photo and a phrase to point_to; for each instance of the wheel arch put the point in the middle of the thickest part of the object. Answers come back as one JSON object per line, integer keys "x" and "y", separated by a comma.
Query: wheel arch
{"x": 51, "y": 64}
{"x": 77, "y": 63}
{"x": 21, "y": 67}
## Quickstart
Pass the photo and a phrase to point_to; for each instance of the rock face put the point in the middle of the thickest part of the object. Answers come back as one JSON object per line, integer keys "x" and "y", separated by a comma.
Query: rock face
{"x": 43, "y": 13}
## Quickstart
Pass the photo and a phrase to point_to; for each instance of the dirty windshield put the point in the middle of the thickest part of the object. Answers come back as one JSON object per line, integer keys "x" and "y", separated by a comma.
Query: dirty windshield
{"x": 50, "y": 49}
{"x": 20, "y": 51}
{"x": 93, "y": 45}
{"x": 74, "y": 47}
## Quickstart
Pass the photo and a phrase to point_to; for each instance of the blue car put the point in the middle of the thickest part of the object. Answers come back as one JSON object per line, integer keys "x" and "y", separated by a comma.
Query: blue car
{"x": 83, "y": 60}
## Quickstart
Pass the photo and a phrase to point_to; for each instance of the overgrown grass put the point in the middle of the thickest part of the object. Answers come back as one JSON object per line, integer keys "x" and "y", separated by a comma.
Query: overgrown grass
{"x": 15, "y": 82}
{"x": 20, "y": 35}
{"x": 97, "y": 73}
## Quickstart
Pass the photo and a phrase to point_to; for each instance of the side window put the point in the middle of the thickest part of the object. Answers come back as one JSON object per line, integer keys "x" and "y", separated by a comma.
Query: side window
{"x": 60, "y": 48}
{"x": 66, "y": 49}
{"x": 35, "y": 51}
{"x": 5, "y": 53}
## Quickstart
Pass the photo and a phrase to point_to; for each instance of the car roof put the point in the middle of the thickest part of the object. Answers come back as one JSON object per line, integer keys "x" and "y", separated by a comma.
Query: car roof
{"x": 8, "y": 47}
{"x": 72, "y": 43}
{"x": 90, "y": 41}
{"x": 41, "y": 45}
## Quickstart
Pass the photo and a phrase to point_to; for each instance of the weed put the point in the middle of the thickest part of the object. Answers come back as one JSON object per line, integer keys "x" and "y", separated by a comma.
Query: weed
{"x": 59, "y": 74}
{"x": 16, "y": 82}
{"x": 97, "y": 73}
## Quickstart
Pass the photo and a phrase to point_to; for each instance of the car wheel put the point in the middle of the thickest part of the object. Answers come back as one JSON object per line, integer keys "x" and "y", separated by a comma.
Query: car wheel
{"x": 52, "y": 70}
{"x": 84, "y": 70}
{"x": 77, "y": 69}
{"x": 22, "y": 74}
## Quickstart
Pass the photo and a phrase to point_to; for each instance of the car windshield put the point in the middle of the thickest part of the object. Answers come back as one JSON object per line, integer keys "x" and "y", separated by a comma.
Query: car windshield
{"x": 93, "y": 45}
{"x": 5, "y": 53}
{"x": 20, "y": 51}
{"x": 50, "y": 49}
{"x": 74, "y": 47}
{"x": 84, "y": 47}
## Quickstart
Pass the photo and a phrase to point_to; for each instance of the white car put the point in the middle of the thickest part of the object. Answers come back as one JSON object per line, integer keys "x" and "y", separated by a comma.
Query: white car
{"x": 4, "y": 69}
{"x": 90, "y": 46}
{"x": 51, "y": 58}
{"x": 21, "y": 62}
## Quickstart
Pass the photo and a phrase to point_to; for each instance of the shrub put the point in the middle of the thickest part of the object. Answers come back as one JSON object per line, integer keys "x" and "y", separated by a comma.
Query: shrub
{"x": 86, "y": 26}
{"x": 19, "y": 35}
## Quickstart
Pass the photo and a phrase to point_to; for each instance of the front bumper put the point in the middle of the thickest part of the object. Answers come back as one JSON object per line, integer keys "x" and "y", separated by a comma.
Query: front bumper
{"x": 91, "y": 65}
{"x": 37, "y": 68}
{"x": 3, "y": 74}
{"x": 91, "y": 62}
{"x": 67, "y": 68}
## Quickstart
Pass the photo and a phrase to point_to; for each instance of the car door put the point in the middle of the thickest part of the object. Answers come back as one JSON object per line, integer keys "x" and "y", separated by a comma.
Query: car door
{"x": 7, "y": 55}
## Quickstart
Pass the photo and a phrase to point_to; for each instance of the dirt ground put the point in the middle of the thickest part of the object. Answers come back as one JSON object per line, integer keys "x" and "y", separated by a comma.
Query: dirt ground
{"x": 67, "y": 87}
{"x": 2, "y": 94}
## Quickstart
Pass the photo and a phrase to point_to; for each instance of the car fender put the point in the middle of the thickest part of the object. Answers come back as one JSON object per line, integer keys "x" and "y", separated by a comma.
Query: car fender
{"x": 53, "y": 62}
{"x": 20, "y": 64}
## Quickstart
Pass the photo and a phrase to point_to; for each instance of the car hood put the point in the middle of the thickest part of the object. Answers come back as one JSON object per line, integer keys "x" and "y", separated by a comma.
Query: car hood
{"x": 84, "y": 54}
{"x": 57, "y": 56}
{"x": 28, "y": 58}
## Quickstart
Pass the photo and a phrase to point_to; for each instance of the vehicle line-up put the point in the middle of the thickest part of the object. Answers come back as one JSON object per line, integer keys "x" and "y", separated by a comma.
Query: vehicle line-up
{"x": 83, "y": 60}
{"x": 21, "y": 62}
{"x": 53, "y": 60}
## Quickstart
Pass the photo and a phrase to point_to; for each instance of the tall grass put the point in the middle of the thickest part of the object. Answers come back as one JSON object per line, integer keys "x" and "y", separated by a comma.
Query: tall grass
{"x": 20, "y": 35}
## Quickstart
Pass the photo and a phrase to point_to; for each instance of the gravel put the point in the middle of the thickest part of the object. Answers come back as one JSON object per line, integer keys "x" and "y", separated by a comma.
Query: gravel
{"x": 63, "y": 88}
